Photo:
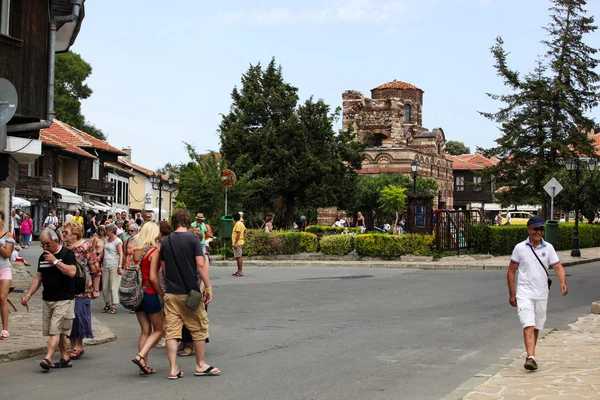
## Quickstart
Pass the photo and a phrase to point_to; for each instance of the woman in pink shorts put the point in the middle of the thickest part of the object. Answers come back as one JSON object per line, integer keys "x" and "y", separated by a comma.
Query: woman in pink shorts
{"x": 7, "y": 244}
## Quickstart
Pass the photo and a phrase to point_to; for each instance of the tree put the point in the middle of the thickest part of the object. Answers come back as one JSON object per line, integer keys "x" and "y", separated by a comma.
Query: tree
{"x": 545, "y": 116}
{"x": 70, "y": 73}
{"x": 291, "y": 150}
{"x": 456, "y": 148}
{"x": 393, "y": 199}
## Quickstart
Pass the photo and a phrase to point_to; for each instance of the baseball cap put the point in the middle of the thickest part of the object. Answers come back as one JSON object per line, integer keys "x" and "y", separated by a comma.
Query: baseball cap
{"x": 535, "y": 221}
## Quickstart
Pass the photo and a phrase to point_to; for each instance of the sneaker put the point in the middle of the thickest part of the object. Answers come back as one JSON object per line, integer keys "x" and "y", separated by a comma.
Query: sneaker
{"x": 530, "y": 364}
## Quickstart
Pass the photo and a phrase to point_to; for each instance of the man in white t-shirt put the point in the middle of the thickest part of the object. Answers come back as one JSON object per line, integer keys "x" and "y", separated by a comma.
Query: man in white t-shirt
{"x": 68, "y": 217}
{"x": 530, "y": 262}
{"x": 51, "y": 219}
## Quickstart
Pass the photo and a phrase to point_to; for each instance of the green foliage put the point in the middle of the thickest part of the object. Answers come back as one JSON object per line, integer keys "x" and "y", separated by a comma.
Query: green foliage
{"x": 337, "y": 245}
{"x": 547, "y": 114}
{"x": 289, "y": 151}
{"x": 260, "y": 242}
{"x": 392, "y": 246}
{"x": 479, "y": 237}
{"x": 456, "y": 148}
{"x": 69, "y": 89}
{"x": 330, "y": 229}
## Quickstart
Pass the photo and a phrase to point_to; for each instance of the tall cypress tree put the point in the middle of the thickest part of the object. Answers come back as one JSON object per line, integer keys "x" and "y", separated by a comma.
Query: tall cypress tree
{"x": 544, "y": 118}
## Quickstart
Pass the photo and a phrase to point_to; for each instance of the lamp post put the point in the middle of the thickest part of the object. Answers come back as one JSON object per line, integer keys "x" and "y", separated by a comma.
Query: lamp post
{"x": 158, "y": 184}
{"x": 415, "y": 171}
{"x": 574, "y": 165}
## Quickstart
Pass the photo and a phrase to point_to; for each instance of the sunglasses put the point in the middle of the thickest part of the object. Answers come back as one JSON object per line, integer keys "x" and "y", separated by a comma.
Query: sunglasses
{"x": 538, "y": 229}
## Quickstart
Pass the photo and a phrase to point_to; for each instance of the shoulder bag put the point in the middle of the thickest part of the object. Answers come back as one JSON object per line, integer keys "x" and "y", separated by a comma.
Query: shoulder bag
{"x": 544, "y": 268}
{"x": 194, "y": 298}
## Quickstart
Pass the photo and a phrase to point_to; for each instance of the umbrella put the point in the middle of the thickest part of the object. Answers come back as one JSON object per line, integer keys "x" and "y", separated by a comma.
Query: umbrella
{"x": 20, "y": 203}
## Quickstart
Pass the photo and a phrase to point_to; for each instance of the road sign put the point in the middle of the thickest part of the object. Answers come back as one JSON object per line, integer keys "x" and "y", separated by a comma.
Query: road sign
{"x": 227, "y": 178}
{"x": 553, "y": 187}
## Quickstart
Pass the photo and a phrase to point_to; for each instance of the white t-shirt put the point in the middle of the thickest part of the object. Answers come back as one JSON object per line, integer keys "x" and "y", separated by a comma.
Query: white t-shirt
{"x": 51, "y": 220}
{"x": 68, "y": 217}
{"x": 532, "y": 281}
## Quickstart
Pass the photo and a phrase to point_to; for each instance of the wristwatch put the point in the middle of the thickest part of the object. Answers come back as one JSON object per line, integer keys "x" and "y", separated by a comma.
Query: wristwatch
{"x": 55, "y": 262}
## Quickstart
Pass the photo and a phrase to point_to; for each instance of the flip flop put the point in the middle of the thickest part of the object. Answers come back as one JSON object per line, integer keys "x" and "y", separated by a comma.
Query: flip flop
{"x": 179, "y": 375}
{"x": 210, "y": 371}
{"x": 237, "y": 274}
{"x": 184, "y": 353}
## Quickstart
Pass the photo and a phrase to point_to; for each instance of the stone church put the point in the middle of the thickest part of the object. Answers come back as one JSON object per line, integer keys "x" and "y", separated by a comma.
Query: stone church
{"x": 391, "y": 120}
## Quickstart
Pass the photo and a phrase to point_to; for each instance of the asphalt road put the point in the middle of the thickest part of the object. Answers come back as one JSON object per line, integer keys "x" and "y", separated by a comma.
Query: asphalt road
{"x": 320, "y": 333}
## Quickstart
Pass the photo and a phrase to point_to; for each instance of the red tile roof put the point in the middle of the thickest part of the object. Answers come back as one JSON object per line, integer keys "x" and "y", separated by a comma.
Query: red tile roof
{"x": 65, "y": 133}
{"x": 145, "y": 171}
{"x": 471, "y": 162}
{"x": 478, "y": 158}
{"x": 49, "y": 137}
{"x": 396, "y": 85}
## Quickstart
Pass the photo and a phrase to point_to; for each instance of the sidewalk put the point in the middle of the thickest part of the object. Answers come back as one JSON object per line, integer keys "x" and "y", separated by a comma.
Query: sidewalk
{"x": 569, "y": 368}
{"x": 477, "y": 261}
{"x": 25, "y": 328}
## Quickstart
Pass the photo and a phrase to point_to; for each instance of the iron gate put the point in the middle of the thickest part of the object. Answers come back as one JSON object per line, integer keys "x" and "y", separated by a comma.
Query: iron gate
{"x": 451, "y": 228}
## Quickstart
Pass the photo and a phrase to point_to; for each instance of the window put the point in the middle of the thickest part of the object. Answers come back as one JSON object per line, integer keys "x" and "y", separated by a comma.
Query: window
{"x": 126, "y": 200}
{"x": 4, "y": 17}
{"x": 477, "y": 184}
{"x": 407, "y": 113}
{"x": 119, "y": 192}
{"x": 34, "y": 168}
{"x": 96, "y": 169}
{"x": 459, "y": 185}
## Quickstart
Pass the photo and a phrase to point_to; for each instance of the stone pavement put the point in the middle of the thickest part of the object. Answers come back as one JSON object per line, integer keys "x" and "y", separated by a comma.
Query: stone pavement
{"x": 569, "y": 368}
{"x": 25, "y": 327}
{"x": 476, "y": 261}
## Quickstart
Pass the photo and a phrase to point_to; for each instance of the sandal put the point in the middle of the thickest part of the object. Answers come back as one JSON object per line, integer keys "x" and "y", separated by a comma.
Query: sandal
{"x": 237, "y": 274}
{"x": 105, "y": 309}
{"x": 186, "y": 352}
{"x": 149, "y": 371}
{"x": 210, "y": 371}
{"x": 46, "y": 364}
{"x": 4, "y": 335}
{"x": 143, "y": 368}
{"x": 113, "y": 311}
{"x": 76, "y": 354}
{"x": 62, "y": 364}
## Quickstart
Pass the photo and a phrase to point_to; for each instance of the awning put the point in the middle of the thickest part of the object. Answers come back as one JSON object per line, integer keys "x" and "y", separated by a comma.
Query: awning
{"x": 20, "y": 203}
{"x": 100, "y": 206}
{"x": 67, "y": 196}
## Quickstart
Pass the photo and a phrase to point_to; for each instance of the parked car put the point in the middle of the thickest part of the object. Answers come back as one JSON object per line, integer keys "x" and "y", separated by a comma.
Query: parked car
{"x": 517, "y": 217}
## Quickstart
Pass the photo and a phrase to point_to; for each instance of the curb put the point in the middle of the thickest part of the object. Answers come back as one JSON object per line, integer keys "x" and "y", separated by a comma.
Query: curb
{"x": 484, "y": 375}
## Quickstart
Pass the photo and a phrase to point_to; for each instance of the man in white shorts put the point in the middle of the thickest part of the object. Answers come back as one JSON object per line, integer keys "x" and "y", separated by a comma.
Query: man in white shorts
{"x": 530, "y": 262}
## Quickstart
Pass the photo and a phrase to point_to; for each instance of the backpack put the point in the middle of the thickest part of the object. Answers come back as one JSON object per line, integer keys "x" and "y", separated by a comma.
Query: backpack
{"x": 131, "y": 292}
{"x": 80, "y": 278}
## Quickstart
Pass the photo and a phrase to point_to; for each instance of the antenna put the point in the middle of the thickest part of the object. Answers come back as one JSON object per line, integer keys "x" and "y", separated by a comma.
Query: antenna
{"x": 8, "y": 101}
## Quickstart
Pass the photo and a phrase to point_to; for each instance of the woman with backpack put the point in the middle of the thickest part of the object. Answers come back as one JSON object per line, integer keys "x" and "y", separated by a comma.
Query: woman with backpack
{"x": 149, "y": 313}
{"x": 86, "y": 256}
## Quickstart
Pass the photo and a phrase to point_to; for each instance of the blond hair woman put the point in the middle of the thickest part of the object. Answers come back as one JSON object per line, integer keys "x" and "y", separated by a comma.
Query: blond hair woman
{"x": 149, "y": 313}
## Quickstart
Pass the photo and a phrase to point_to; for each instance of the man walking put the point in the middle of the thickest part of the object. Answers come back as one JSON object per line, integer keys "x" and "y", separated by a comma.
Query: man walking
{"x": 183, "y": 260}
{"x": 56, "y": 269}
{"x": 237, "y": 239}
{"x": 530, "y": 262}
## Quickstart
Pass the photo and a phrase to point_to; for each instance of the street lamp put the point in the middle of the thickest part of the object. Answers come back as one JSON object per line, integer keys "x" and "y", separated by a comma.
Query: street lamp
{"x": 158, "y": 184}
{"x": 574, "y": 165}
{"x": 415, "y": 171}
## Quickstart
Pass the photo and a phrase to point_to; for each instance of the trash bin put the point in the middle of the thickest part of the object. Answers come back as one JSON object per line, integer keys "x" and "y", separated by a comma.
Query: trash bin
{"x": 551, "y": 232}
{"x": 226, "y": 226}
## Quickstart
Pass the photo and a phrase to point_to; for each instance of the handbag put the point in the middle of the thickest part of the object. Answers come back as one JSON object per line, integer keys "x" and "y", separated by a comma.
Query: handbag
{"x": 544, "y": 268}
{"x": 194, "y": 297}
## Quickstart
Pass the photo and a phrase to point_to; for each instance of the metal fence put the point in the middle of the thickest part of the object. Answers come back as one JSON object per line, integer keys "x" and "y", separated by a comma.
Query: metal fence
{"x": 451, "y": 228}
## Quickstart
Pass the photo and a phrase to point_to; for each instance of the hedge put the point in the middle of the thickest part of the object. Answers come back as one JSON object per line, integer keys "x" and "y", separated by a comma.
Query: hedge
{"x": 337, "y": 245}
{"x": 330, "y": 229}
{"x": 392, "y": 246}
{"x": 260, "y": 242}
{"x": 500, "y": 240}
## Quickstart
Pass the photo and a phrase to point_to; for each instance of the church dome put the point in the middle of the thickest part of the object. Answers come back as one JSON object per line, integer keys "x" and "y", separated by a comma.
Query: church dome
{"x": 396, "y": 85}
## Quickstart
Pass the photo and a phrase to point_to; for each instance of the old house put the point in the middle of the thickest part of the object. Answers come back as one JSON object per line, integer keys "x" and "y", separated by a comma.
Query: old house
{"x": 391, "y": 122}
{"x": 31, "y": 33}
{"x": 471, "y": 188}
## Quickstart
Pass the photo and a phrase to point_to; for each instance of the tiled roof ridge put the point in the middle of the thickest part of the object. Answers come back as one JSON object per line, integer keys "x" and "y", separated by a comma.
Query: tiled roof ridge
{"x": 84, "y": 139}
{"x": 395, "y": 84}
{"x": 143, "y": 170}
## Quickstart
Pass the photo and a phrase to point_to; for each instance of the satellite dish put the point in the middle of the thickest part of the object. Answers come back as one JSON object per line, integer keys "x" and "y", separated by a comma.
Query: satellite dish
{"x": 8, "y": 101}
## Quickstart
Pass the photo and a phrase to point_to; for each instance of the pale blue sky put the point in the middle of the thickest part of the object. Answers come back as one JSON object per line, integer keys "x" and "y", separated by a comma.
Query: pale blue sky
{"x": 164, "y": 71}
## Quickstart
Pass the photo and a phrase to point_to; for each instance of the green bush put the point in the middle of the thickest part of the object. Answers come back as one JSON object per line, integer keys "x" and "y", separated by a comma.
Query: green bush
{"x": 479, "y": 237}
{"x": 261, "y": 243}
{"x": 337, "y": 245}
{"x": 329, "y": 229}
{"x": 392, "y": 246}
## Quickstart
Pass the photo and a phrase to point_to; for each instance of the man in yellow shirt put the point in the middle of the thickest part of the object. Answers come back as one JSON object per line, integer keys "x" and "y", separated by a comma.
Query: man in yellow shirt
{"x": 237, "y": 239}
{"x": 77, "y": 217}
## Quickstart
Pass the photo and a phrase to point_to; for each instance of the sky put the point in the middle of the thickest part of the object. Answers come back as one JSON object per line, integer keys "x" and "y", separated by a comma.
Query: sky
{"x": 163, "y": 72}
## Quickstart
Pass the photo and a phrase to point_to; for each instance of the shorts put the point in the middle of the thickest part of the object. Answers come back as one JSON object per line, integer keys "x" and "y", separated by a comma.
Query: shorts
{"x": 177, "y": 315}
{"x": 532, "y": 312}
{"x": 17, "y": 231}
{"x": 5, "y": 274}
{"x": 150, "y": 304}
{"x": 203, "y": 246}
{"x": 57, "y": 317}
{"x": 237, "y": 252}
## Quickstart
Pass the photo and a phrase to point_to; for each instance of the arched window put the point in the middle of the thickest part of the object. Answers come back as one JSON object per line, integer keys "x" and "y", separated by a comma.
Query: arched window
{"x": 407, "y": 113}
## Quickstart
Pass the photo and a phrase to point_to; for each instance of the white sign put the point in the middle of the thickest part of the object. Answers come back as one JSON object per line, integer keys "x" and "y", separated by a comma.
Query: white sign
{"x": 553, "y": 187}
